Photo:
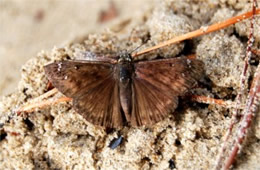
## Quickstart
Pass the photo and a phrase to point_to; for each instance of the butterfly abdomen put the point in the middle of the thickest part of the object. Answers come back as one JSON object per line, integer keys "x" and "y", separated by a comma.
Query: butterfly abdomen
{"x": 125, "y": 71}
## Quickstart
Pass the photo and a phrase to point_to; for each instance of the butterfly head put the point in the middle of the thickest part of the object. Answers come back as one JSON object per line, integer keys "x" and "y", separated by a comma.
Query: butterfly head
{"x": 125, "y": 57}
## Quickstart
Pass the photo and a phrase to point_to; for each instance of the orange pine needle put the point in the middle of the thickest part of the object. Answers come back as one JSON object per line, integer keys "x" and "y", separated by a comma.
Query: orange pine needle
{"x": 256, "y": 52}
{"x": 31, "y": 107}
{"x": 199, "y": 32}
{"x": 192, "y": 56}
{"x": 208, "y": 100}
{"x": 47, "y": 94}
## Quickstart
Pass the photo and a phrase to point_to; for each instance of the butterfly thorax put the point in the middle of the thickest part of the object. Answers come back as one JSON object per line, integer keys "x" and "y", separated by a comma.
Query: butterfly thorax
{"x": 124, "y": 74}
{"x": 125, "y": 68}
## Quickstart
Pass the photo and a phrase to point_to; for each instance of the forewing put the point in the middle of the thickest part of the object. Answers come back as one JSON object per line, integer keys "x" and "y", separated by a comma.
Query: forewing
{"x": 73, "y": 78}
{"x": 92, "y": 86}
{"x": 157, "y": 85}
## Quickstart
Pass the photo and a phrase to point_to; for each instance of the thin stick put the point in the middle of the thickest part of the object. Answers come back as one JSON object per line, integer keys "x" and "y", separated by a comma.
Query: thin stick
{"x": 192, "y": 56}
{"x": 250, "y": 42}
{"x": 208, "y": 100}
{"x": 37, "y": 99}
{"x": 253, "y": 97}
{"x": 201, "y": 31}
{"x": 256, "y": 52}
{"x": 31, "y": 107}
{"x": 248, "y": 114}
{"x": 46, "y": 95}
{"x": 242, "y": 88}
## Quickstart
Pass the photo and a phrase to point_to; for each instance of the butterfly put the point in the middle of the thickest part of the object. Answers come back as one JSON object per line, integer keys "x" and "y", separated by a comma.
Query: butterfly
{"x": 112, "y": 92}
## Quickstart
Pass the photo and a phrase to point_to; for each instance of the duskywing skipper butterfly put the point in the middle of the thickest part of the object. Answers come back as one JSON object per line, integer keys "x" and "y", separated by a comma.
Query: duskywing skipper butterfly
{"x": 112, "y": 91}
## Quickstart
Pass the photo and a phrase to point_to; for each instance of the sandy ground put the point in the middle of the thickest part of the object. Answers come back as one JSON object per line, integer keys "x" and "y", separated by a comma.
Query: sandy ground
{"x": 57, "y": 137}
{"x": 27, "y": 27}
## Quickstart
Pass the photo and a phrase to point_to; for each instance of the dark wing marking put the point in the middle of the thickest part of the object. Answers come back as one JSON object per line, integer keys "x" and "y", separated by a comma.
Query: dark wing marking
{"x": 92, "y": 86}
{"x": 157, "y": 85}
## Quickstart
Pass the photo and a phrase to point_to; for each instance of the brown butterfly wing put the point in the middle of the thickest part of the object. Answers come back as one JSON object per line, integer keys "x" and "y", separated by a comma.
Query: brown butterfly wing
{"x": 158, "y": 84}
{"x": 93, "y": 88}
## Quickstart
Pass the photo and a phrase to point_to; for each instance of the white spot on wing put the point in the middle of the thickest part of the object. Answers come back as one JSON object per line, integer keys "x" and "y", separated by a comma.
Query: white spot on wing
{"x": 59, "y": 66}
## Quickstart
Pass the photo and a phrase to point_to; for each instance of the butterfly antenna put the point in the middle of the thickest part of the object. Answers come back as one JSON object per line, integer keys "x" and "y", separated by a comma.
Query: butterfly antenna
{"x": 136, "y": 48}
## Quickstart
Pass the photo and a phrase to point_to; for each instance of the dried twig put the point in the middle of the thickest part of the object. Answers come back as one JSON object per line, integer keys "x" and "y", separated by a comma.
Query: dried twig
{"x": 243, "y": 81}
{"x": 248, "y": 114}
